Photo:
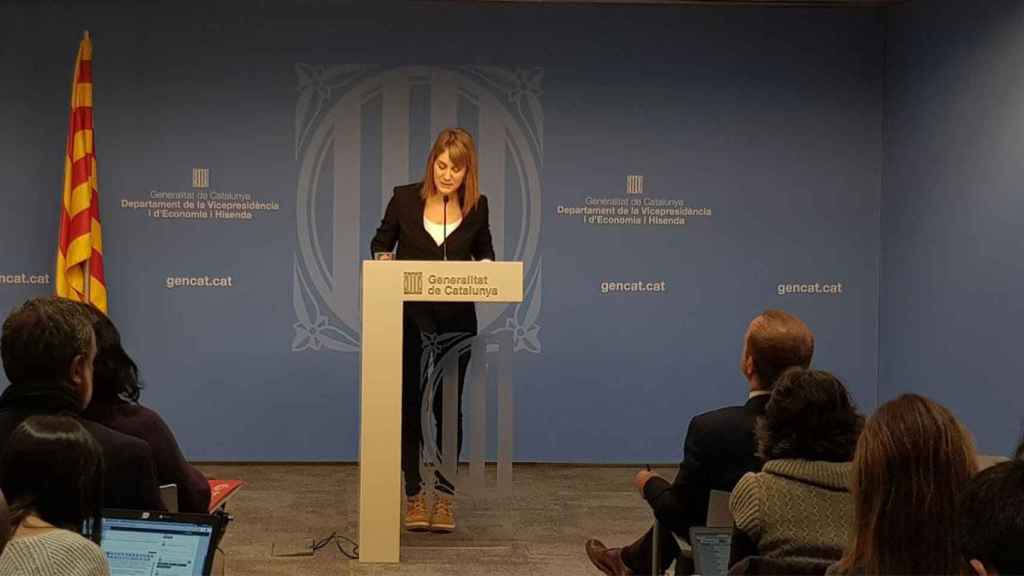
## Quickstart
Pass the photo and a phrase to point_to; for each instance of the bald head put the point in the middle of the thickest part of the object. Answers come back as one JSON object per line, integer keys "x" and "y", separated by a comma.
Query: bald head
{"x": 776, "y": 340}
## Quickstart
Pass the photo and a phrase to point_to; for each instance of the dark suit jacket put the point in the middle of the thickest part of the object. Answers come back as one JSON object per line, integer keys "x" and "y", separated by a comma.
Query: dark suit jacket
{"x": 171, "y": 467}
{"x": 129, "y": 476}
{"x": 718, "y": 450}
{"x": 403, "y": 224}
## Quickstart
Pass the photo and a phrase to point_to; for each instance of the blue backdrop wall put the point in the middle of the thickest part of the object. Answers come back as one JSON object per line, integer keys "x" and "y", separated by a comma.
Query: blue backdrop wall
{"x": 953, "y": 212}
{"x": 760, "y": 129}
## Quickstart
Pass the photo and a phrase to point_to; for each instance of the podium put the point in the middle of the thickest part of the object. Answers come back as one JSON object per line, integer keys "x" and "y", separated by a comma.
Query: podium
{"x": 386, "y": 285}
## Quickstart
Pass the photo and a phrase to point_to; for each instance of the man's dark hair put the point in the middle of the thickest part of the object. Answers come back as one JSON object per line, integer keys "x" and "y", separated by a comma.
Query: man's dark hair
{"x": 52, "y": 467}
{"x": 778, "y": 340}
{"x": 40, "y": 339}
{"x": 810, "y": 417}
{"x": 115, "y": 374}
{"x": 992, "y": 518}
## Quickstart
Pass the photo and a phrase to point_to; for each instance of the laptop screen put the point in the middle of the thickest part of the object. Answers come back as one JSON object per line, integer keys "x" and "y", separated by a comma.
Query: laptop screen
{"x": 157, "y": 545}
{"x": 711, "y": 550}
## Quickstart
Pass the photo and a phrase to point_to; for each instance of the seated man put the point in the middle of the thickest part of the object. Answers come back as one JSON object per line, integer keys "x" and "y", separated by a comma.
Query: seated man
{"x": 48, "y": 347}
{"x": 992, "y": 519}
{"x": 718, "y": 450}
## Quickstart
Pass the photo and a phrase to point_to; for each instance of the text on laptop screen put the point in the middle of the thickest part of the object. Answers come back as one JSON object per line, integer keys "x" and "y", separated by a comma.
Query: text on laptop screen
{"x": 153, "y": 548}
{"x": 712, "y": 553}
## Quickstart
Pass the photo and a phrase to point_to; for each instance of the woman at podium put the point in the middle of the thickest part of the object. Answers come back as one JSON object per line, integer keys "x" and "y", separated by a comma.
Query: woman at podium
{"x": 444, "y": 217}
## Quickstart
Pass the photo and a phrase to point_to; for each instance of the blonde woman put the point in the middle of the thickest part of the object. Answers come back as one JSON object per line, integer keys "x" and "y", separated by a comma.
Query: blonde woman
{"x": 912, "y": 460}
{"x": 442, "y": 218}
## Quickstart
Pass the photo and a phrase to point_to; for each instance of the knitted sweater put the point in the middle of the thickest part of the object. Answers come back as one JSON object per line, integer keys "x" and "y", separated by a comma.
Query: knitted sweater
{"x": 53, "y": 553}
{"x": 796, "y": 509}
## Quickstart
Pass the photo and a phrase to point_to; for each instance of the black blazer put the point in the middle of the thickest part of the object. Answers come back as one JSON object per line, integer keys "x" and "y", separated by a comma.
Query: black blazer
{"x": 718, "y": 450}
{"x": 403, "y": 224}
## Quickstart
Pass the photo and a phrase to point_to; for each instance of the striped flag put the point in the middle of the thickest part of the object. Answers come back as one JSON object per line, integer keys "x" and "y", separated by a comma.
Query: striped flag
{"x": 80, "y": 248}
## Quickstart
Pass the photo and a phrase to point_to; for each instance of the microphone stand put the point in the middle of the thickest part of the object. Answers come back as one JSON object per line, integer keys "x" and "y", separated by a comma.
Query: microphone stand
{"x": 444, "y": 228}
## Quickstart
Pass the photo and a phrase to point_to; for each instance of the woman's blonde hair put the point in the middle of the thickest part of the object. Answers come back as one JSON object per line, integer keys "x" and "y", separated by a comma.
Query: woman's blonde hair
{"x": 462, "y": 152}
{"x": 912, "y": 460}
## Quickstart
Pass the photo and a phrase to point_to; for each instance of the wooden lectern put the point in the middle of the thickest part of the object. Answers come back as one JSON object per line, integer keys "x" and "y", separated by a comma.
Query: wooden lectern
{"x": 386, "y": 285}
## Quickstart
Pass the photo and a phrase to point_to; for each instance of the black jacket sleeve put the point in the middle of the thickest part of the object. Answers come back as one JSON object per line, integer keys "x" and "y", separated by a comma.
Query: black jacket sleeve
{"x": 386, "y": 237}
{"x": 129, "y": 472}
{"x": 483, "y": 246}
{"x": 684, "y": 503}
{"x": 138, "y": 488}
{"x": 148, "y": 487}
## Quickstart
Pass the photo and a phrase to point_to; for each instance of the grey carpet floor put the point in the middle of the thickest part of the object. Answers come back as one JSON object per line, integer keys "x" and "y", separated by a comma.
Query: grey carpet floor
{"x": 537, "y": 529}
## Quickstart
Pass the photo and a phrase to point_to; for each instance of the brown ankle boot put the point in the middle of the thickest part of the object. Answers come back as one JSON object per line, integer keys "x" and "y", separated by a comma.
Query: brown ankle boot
{"x": 416, "y": 518}
{"x": 443, "y": 517}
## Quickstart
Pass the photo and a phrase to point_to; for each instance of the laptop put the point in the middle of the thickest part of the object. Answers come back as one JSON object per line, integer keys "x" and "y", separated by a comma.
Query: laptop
{"x": 710, "y": 550}
{"x": 137, "y": 542}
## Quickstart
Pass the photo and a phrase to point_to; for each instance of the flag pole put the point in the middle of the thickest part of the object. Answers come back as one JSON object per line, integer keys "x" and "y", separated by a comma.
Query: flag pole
{"x": 88, "y": 282}
{"x": 88, "y": 276}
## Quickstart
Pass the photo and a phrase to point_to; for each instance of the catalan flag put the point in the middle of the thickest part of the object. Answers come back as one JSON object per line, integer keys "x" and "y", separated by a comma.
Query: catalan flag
{"x": 80, "y": 248}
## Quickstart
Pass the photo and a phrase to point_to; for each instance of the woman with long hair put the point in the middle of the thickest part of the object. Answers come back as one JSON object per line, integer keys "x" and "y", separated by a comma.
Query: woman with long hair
{"x": 115, "y": 404}
{"x": 444, "y": 217}
{"x": 51, "y": 473}
{"x": 912, "y": 460}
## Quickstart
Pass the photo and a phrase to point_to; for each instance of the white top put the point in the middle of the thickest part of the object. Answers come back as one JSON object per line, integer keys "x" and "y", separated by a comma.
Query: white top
{"x": 53, "y": 553}
{"x": 437, "y": 231}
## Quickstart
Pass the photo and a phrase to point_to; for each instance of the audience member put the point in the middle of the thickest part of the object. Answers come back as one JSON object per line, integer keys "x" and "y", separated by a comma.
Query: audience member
{"x": 115, "y": 404}
{"x": 992, "y": 520}
{"x": 912, "y": 460}
{"x": 48, "y": 348}
{"x": 798, "y": 507}
{"x": 718, "y": 449}
{"x": 52, "y": 471}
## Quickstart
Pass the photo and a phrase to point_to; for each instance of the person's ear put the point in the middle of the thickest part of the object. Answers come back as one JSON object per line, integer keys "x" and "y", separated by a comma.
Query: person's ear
{"x": 979, "y": 568}
{"x": 81, "y": 376}
{"x": 748, "y": 366}
{"x": 78, "y": 370}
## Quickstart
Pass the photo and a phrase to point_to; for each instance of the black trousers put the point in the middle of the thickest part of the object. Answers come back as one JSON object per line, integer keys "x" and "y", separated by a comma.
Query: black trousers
{"x": 416, "y": 356}
{"x": 637, "y": 556}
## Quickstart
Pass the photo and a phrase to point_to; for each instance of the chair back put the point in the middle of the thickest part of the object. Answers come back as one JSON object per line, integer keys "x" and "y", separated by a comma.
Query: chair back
{"x": 989, "y": 460}
{"x": 719, "y": 514}
{"x": 169, "y": 496}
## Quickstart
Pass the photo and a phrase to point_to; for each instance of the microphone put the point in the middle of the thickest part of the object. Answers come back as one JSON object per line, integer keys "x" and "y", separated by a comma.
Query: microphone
{"x": 444, "y": 228}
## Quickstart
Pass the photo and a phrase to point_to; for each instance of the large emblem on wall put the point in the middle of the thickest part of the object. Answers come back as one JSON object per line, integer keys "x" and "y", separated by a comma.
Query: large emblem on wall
{"x": 362, "y": 130}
